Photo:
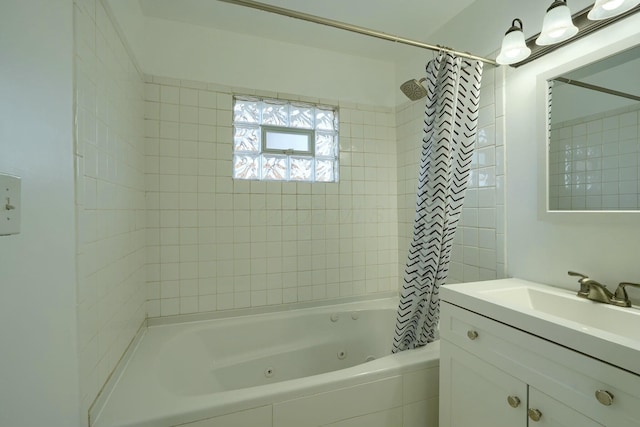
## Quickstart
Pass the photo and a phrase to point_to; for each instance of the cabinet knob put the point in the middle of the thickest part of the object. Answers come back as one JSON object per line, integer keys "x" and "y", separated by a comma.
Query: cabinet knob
{"x": 472, "y": 335}
{"x": 534, "y": 414}
{"x": 604, "y": 397}
{"x": 514, "y": 401}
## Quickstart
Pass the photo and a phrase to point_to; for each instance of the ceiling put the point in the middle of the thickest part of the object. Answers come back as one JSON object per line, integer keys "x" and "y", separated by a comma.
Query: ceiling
{"x": 414, "y": 19}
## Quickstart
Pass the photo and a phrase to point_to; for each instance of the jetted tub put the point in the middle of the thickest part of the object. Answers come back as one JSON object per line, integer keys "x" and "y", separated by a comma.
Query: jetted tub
{"x": 319, "y": 366}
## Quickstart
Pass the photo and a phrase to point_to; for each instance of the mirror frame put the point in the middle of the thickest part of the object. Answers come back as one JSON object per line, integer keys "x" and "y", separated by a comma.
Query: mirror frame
{"x": 616, "y": 39}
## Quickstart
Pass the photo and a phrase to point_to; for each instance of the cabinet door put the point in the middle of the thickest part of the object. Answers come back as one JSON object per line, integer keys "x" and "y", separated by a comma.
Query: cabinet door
{"x": 545, "y": 411}
{"x": 474, "y": 393}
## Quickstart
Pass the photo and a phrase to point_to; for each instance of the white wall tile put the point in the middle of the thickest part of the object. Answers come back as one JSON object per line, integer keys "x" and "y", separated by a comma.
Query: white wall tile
{"x": 169, "y": 94}
{"x": 605, "y": 168}
{"x": 111, "y": 164}
{"x": 249, "y": 222}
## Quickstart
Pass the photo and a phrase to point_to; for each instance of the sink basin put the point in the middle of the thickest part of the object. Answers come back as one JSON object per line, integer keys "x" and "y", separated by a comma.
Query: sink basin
{"x": 603, "y": 331}
{"x": 590, "y": 314}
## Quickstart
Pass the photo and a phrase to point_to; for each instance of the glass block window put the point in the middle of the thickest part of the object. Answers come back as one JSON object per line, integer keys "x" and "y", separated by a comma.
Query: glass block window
{"x": 278, "y": 140}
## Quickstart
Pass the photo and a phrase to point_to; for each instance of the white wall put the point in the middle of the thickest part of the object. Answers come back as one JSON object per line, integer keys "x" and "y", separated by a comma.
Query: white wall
{"x": 543, "y": 247}
{"x": 38, "y": 360}
{"x": 129, "y": 22}
{"x": 190, "y": 52}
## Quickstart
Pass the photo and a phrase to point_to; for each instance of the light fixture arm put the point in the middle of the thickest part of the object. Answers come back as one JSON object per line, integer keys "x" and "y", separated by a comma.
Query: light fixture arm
{"x": 515, "y": 27}
{"x": 557, "y": 3}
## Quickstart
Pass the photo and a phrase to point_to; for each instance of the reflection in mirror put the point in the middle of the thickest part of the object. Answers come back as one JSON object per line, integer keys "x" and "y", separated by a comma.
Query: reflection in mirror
{"x": 594, "y": 151}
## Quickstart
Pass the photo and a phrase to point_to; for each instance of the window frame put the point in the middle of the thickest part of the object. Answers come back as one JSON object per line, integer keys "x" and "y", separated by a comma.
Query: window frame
{"x": 311, "y": 140}
{"x": 250, "y": 164}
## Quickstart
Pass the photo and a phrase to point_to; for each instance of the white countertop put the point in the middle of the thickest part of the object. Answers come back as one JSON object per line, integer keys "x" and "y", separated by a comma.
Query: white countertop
{"x": 602, "y": 331}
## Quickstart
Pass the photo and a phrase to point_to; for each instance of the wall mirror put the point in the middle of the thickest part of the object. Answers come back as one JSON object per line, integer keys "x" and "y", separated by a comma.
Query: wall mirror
{"x": 594, "y": 136}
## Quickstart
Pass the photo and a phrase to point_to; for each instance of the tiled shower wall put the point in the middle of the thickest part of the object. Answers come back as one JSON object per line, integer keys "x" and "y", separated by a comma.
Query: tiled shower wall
{"x": 217, "y": 244}
{"x": 593, "y": 162}
{"x": 110, "y": 203}
{"x": 478, "y": 250}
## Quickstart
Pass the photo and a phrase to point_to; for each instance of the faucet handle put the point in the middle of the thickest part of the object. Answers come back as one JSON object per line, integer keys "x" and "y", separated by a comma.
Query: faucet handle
{"x": 584, "y": 288}
{"x": 575, "y": 273}
{"x": 621, "y": 295}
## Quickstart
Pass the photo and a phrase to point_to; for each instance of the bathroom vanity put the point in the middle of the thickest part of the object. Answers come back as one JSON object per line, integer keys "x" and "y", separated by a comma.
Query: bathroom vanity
{"x": 516, "y": 353}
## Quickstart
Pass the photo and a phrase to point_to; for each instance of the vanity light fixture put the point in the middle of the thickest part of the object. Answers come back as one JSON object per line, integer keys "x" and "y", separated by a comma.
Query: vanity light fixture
{"x": 557, "y": 25}
{"x": 604, "y": 9}
{"x": 560, "y": 28}
{"x": 514, "y": 48}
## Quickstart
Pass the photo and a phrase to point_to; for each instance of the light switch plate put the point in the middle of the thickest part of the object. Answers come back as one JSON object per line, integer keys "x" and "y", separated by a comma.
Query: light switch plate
{"x": 10, "y": 207}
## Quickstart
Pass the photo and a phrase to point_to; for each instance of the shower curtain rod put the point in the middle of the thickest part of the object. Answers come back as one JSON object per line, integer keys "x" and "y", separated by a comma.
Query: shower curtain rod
{"x": 597, "y": 88}
{"x": 353, "y": 28}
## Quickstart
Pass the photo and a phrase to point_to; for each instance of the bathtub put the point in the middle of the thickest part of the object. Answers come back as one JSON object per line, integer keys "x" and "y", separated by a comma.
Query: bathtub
{"x": 319, "y": 366}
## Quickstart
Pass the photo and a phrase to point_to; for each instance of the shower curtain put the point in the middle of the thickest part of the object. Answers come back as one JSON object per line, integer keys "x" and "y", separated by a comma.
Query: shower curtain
{"x": 450, "y": 124}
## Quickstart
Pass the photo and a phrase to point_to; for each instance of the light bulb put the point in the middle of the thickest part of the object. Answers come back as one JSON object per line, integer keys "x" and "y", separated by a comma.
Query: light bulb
{"x": 556, "y": 34}
{"x": 612, "y": 4}
{"x": 513, "y": 53}
{"x": 603, "y": 9}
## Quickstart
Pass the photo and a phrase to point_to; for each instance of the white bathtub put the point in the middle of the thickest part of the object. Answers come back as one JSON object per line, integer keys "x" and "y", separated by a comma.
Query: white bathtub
{"x": 319, "y": 366}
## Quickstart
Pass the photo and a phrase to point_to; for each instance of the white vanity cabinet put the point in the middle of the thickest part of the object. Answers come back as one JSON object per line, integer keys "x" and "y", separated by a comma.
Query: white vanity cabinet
{"x": 495, "y": 375}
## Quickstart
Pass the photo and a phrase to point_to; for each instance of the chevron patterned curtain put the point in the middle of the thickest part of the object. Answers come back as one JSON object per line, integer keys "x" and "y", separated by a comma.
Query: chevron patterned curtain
{"x": 450, "y": 124}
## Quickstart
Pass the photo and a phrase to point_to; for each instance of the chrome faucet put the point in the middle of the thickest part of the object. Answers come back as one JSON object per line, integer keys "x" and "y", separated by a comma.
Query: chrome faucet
{"x": 592, "y": 290}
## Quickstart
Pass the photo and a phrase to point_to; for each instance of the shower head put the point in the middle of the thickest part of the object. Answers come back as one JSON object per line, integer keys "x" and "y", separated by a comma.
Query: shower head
{"x": 413, "y": 89}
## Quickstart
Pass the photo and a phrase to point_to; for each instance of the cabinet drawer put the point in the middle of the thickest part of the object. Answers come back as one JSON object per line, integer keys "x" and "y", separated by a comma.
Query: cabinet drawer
{"x": 557, "y": 371}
